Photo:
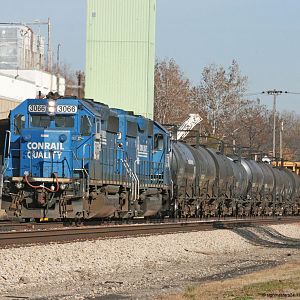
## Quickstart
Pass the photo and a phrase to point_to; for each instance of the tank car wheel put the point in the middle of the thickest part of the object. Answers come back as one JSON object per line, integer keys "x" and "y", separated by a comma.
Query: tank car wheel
{"x": 68, "y": 222}
{"x": 78, "y": 222}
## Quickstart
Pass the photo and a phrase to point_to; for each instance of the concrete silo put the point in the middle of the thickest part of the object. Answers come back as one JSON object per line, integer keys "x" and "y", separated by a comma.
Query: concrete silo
{"x": 120, "y": 54}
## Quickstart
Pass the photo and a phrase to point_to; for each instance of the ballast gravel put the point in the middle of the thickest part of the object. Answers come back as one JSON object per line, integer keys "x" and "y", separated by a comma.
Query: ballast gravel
{"x": 137, "y": 268}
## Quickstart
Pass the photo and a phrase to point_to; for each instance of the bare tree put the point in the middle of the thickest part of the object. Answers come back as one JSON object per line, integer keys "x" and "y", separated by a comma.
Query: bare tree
{"x": 220, "y": 97}
{"x": 226, "y": 113}
{"x": 291, "y": 134}
{"x": 255, "y": 128}
{"x": 172, "y": 91}
{"x": 74, "y": 80}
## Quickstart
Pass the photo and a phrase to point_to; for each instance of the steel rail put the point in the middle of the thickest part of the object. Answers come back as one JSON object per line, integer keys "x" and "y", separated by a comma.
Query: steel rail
{"x": 67, "y": 234}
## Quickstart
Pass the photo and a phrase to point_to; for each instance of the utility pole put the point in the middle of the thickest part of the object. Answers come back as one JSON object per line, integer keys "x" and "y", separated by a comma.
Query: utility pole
{"x": 49, "y": 52}
{"x": 275, "y": 93}
{"x": 280, "y": 137}
{"x": 79, "y": 82}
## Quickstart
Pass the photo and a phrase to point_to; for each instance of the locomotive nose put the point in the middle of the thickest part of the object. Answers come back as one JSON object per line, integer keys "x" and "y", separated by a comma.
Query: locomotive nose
{"x": 44, "y": 152}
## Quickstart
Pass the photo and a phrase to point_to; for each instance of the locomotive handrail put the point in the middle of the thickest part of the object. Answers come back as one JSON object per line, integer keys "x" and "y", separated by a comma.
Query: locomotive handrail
{"x": 133, "y": 178}
{"x": 76, "y": 159}
{"x": 137, "y": 179}
{"x": 83, "y": 153}
{"x": 84, "y": 170}
{"x": 8, "y": 133}
{"x": 6, "y": 150}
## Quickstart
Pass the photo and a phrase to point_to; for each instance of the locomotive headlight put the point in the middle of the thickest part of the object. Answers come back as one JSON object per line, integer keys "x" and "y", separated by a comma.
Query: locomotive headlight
{"x": 52, "y": 188}
{"x": 51, "y": 103}
{"x": 63, "y": 186}
{"x": 19, "y": 185}
{"x": 51, "y": 109}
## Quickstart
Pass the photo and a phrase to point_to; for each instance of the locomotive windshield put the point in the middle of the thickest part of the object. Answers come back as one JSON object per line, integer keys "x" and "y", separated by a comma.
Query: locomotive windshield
{"x": 64, "y": 121}
{"x": 44, "y": 121}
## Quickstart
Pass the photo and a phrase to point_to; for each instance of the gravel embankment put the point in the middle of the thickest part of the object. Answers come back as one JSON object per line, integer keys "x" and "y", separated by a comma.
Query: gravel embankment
{"x": 138, "y": 268}
{"x": 290, "y": 230}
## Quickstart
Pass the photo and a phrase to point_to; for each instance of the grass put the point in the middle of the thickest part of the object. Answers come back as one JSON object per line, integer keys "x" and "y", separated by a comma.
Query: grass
{"x": 260, "y": 289}
{"x": 282, "y": 280}
{"x": 190, "y": 293}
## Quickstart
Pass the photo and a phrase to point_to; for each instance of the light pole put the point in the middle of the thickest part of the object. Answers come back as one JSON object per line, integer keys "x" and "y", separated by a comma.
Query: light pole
{"x": 275, "y": 93}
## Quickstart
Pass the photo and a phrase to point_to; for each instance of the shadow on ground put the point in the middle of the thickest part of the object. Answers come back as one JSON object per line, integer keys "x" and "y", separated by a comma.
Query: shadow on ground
{"x": 267, "y": 237}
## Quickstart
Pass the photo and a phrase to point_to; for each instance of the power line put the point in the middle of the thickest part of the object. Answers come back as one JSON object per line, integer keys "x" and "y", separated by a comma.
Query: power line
{"x": 252, "y": 94}
{"x": 294, "y": 93}
{"x": 270, "y": 92}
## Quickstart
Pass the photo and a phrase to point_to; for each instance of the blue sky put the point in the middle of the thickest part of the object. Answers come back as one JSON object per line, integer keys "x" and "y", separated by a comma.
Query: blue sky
{"x": 262, "y": 35}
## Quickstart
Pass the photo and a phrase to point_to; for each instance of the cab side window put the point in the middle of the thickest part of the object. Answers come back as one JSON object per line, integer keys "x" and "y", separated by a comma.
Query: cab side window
{"x": 19, "y": 123}
{"x": 85, "y": 126}
{"x": 158, "y": 142}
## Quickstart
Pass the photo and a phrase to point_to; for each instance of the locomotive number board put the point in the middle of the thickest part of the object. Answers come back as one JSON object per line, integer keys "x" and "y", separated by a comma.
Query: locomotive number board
{"x": 37, "y": 108}
{"x": 60, "y": 109}
{"x": 66, "y": 109}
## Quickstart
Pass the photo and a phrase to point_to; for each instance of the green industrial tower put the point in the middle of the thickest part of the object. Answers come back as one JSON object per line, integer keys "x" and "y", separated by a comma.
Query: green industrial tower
{"x": 120, "y": 54}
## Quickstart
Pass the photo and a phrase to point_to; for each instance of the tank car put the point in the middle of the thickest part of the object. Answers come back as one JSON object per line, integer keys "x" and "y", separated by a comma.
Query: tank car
{"x": 206, "y": 182}
{"x": 75, "y": 158}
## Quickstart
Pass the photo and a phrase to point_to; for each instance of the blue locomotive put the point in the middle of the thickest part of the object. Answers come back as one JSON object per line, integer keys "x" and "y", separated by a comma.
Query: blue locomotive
{"x": 74, "y": 158}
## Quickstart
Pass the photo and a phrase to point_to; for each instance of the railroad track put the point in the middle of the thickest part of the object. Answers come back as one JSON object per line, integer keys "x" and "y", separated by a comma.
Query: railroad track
{"x": 66, "y": 234}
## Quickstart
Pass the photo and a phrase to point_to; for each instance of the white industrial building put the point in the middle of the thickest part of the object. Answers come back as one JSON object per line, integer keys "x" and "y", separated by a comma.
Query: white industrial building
{"x": 22, "y": 67}
{"x": 18, "y": 85}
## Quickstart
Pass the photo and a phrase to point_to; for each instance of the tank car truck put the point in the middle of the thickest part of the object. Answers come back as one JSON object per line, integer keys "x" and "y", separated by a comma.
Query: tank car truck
{"x": 75, "y": 158}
